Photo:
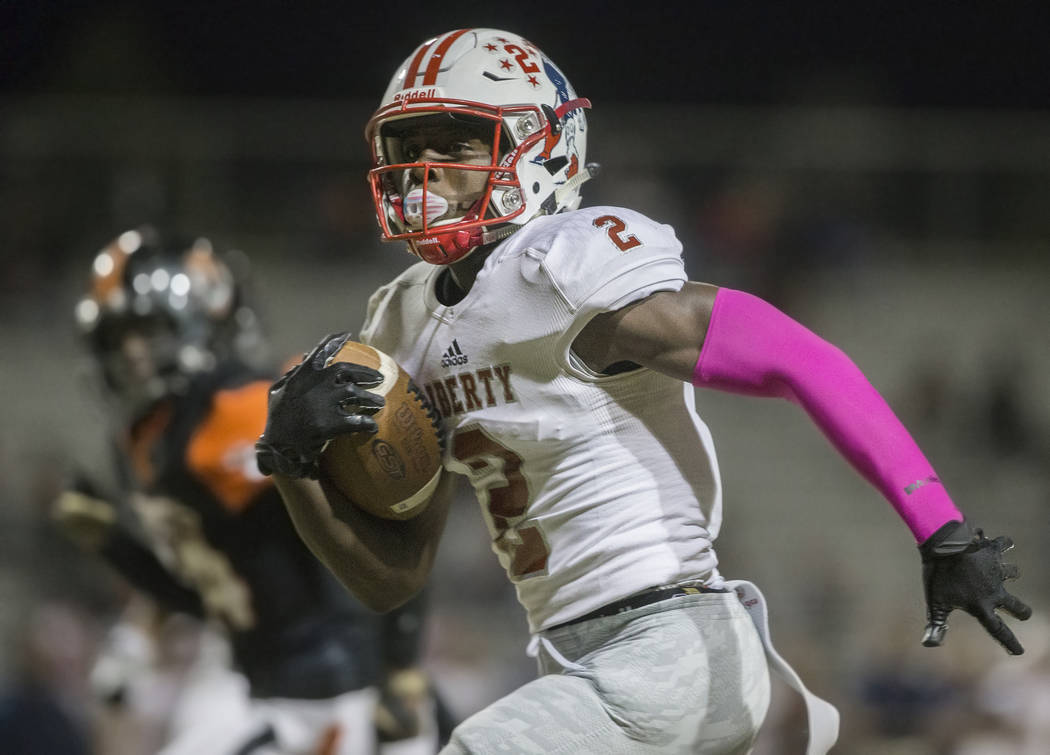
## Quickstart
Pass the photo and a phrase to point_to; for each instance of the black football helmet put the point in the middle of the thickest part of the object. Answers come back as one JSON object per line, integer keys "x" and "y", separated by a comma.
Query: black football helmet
{"x": 160, "y": 311}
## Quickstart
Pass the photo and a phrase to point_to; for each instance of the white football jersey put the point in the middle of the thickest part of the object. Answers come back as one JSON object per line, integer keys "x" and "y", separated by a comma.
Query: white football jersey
{"x": 593, "y": 487}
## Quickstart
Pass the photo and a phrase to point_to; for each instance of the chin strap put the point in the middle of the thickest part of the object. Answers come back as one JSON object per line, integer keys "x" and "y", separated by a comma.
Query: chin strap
{"x": 467, "y": 240}
{"x": 438, "y": 248}
{"x": 589, "y": 171}
{"x": 457, "y": 244}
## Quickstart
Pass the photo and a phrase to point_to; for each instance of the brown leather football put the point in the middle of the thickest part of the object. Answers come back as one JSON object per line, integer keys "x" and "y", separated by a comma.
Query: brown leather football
{"x": 393, "y": 473}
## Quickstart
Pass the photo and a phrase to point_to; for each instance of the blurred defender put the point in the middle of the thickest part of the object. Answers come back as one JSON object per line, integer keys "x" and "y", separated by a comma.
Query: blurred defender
{"x": 562, "y": 347}
{"x": 200, "y": 531}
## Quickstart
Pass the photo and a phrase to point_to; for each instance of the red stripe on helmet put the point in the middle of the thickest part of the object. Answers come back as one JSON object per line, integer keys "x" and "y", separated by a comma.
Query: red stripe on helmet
{"x": 413, "y": 68}
{"x": 569, "y": 106}
{"x": 434, "y": 65}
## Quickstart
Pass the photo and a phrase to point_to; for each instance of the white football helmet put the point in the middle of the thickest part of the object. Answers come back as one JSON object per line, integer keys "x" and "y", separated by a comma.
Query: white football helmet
{"x": 498, "y": 87}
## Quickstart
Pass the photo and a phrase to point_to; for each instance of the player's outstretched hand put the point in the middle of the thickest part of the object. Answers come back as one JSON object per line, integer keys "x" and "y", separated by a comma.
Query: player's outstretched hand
{"x": 82, "y": 513}
{"x": 311, "y": 404}
{"x": 961, "y": 568}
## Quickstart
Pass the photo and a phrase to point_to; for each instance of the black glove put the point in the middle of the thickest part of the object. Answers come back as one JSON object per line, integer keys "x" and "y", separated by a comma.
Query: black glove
{"x": 313, "y": 403}
{"x": 961, "y": 568}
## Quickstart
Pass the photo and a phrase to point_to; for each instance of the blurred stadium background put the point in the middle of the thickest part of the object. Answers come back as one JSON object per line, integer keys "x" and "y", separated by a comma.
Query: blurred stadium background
{"x": 883, "y": 174}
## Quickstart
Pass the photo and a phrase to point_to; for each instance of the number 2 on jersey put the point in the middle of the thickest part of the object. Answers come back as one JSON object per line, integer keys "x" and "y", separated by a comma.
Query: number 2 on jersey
{"x": 616, "y": 229}
{"x": 496, "y": 470}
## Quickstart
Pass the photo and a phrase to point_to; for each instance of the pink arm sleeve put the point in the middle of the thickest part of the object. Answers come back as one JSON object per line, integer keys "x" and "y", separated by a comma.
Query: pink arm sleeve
{"x": 753, "y": 348}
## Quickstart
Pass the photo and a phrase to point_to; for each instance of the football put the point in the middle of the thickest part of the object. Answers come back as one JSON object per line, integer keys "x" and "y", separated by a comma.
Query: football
{"x": 393, "y": 473}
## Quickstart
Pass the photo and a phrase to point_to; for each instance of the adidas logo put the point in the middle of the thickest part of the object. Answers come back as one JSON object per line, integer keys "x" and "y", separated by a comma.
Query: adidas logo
{"x": 453, "y": 356}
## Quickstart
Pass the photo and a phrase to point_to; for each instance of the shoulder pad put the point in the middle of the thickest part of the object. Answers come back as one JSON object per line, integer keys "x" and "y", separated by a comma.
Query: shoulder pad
{"x": 598, "y": 257}
{"x": 221, "y": 453}
{"x": 413, "y": 276}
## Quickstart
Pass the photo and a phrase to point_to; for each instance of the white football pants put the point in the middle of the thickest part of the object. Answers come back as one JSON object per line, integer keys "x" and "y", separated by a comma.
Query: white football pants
{"x": 686, "y": 675}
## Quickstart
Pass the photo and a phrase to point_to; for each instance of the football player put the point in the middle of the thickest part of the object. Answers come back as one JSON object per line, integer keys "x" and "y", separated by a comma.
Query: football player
{"x": 569, "y": 404}
{"x": 202, "y": 532}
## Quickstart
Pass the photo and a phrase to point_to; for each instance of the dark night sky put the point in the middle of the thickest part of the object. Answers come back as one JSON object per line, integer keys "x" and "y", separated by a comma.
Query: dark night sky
{"x": 942, "y": 54}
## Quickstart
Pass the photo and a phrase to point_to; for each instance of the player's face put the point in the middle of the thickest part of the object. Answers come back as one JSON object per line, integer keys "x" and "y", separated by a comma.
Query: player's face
{"x": 137, "y": 356}
{"x": 435, "y": 143}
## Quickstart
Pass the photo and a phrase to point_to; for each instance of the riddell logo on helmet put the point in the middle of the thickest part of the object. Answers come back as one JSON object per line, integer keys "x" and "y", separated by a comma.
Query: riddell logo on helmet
{"x": 416, "y": 94}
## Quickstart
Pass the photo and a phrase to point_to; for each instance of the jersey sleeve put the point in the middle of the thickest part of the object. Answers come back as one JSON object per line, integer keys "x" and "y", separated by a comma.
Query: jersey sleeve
{"x": 605, "y": 258}
{"x": 221, "y": 453}
{"x": 373, "y": 315}
{"x": 379, "y": 330}
{"x": 602, "y": 259}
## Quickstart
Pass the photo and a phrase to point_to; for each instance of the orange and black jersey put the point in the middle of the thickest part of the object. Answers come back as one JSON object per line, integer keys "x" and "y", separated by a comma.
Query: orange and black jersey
{"x": 221, "y": 544}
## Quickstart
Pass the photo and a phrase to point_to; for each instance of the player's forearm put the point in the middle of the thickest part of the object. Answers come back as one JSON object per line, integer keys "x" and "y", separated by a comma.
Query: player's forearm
{"x": 94, "y": 525}
{"x": 382, "y": 562}
{"x": 143, "y": 570}
{"x": 752, "y": 348}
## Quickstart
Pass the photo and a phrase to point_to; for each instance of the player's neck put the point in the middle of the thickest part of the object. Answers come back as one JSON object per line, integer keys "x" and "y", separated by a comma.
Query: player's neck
{"x": 461, "y": 276}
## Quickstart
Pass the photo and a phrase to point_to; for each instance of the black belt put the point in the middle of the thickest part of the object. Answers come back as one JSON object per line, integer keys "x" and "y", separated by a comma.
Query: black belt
{"x": 647, "y": 597}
